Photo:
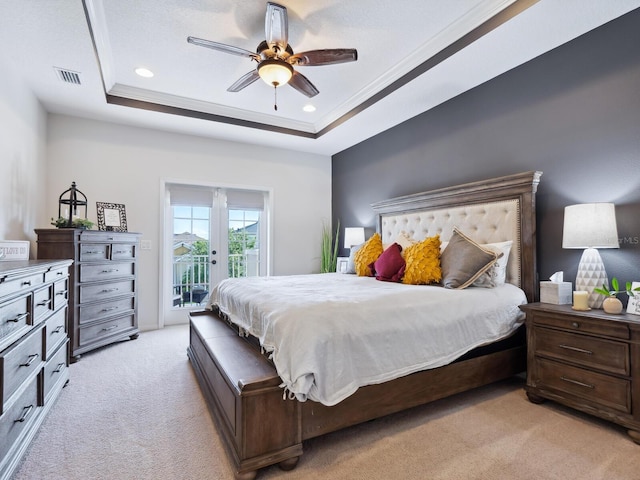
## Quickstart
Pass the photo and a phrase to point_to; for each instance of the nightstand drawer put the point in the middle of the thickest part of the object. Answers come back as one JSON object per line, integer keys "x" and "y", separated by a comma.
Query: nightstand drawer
{"x": 581, "y": 324}
{"x": 605, "y": 355}
{"x": 602, "y": 389}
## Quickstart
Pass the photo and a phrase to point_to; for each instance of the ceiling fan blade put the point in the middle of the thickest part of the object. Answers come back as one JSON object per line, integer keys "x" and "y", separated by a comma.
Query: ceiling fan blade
{"x": 324, "y": 57}
{"x": 244, "y": 81}
{"x": 303, "y": 85}
{"x": 222, "y": 47}
{"x": 276, "y": 26}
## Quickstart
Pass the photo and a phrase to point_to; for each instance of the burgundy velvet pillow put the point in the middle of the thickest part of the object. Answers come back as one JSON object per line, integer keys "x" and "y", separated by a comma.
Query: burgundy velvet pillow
{"x": 389, "y": 267}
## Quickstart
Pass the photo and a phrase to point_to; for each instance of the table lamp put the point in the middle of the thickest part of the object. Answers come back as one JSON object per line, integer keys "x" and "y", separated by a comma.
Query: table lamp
{"x": 590, "y": 226}
{"x": 353, "y": 236}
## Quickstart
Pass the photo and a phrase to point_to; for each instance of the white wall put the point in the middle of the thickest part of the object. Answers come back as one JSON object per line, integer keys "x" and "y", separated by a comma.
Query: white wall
{"x": 122, "y": 164}
{"x": 22, "y": 159}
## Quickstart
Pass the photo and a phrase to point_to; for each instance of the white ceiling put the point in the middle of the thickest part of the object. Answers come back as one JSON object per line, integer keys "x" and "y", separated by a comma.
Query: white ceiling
{"x": 105, "y": 40}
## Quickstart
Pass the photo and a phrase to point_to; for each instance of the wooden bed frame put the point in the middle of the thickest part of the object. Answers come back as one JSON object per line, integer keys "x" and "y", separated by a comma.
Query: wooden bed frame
{"x": 242, "y": 388}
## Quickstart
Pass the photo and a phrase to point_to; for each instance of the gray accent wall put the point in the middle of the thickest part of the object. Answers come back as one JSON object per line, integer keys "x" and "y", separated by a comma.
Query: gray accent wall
{"x": 572, "y": 113}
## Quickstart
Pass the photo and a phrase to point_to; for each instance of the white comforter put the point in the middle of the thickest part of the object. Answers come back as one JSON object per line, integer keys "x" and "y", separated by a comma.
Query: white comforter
{"x": 330, "y": 334}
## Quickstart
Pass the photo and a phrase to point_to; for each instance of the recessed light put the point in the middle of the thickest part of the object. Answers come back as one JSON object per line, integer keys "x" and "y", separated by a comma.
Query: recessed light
{"x": 309, "y": 108}
{"x": 144, "y": 72}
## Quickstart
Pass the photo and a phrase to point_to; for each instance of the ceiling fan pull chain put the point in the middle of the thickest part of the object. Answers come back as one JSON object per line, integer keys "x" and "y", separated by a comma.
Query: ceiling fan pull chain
{"x": 275, "y": 97}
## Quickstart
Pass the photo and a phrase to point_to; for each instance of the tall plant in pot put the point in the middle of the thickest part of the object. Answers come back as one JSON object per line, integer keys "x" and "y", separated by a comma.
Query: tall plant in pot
{"x": 612, "y": 303}
{"x": 329, "y": 255}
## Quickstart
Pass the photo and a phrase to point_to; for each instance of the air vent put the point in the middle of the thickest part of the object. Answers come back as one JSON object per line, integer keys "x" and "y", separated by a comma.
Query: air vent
{"x": 68, "y": 76}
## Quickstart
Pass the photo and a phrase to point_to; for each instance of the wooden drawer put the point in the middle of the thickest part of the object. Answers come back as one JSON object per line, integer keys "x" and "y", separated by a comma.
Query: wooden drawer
{"x": 98, "y": 311}
{"x": 594, "y": 387}
{"x": 582, "y": 324}
{"x": 96, "y": 292}
{"x": 42, "y": 303}
{"x": 18, "y": 362}
{"x": 55, "y": 274}
{"x": 55, "y": 331}
{"x": 90, "y": 273}
{"x": 18, "y": 417}
{"x": 60, "y": 293}
{"x": 94, "y": 252}
{"x": 123, "y": 251}
{"x": 54, "y": 372}
{"x": 17, "y": 285}
{"x": 96, "y": 332}
{"x": 105, "y": 237}
{"x": 15, "y": 319}
{"x": 605, "y": 355}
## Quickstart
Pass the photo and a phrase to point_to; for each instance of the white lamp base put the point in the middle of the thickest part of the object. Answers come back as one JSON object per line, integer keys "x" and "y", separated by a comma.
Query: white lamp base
{"x": 591, "y": 274}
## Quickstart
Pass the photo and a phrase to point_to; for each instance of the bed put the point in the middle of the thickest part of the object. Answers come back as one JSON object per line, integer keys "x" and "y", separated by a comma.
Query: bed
{"x": 262, "y": 423}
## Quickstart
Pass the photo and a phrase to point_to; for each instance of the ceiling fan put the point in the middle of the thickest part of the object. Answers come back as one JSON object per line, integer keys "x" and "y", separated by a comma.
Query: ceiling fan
{"x": 276, "y": 58}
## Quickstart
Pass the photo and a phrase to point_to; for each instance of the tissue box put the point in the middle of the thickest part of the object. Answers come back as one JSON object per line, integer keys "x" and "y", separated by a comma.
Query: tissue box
{"x": 559, "y": 293}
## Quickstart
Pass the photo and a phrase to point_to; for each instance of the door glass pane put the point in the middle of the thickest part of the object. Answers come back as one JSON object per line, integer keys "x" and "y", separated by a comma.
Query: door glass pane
{"x": 191, "y": 226}
{"x": 244, "y": 243}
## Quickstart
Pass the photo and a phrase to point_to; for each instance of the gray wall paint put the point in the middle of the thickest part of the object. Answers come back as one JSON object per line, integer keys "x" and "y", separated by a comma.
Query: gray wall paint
{"x": 573, "y": 113}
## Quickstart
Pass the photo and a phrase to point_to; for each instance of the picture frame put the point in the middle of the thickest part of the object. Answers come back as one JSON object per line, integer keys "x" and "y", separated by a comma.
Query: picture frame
{"x": 633, "y": 306}
{"x": 13, "y": 250}
{"x": 112, "y": 217}
{"x": 341, "y": 264}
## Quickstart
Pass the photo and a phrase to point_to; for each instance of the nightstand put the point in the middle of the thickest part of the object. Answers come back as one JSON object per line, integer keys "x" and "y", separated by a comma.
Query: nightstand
{"x": 589, "y": 361}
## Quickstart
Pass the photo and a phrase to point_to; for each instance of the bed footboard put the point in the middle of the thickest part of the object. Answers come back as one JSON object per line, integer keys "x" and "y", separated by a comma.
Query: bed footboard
{"x": 242, "y": 391}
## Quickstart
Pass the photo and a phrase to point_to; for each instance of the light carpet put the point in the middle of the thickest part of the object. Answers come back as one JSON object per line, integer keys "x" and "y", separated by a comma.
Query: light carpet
{"x": 133, "y": 410}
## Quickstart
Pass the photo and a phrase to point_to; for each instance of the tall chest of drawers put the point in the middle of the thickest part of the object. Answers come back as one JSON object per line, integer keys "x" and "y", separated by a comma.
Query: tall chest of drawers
{"x": 103, "y": 306}
{"x": 33, "y": 351}
{"x": 589, "y": 361}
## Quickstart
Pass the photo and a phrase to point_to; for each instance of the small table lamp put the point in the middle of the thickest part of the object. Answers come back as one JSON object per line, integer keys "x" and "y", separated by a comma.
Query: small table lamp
{"x": 353, "y": 236}
{"x": 590, "y": 226}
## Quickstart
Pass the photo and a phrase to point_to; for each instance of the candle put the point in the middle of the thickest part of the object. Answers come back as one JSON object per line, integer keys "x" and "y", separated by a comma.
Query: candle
{"x": 581, "y": 300}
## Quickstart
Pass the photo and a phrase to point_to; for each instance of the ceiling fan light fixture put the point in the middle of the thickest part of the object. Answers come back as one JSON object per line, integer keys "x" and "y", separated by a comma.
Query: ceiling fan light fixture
{"x": 275, "y": 72}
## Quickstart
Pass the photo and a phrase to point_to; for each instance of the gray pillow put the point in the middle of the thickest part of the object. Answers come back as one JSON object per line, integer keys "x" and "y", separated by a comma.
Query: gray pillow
{"x": 351, "y": 266}
{"x": 463, "y": 261}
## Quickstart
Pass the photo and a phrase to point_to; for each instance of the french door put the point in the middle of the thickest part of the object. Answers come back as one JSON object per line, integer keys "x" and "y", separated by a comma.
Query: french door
{"x": 210, "y": 233}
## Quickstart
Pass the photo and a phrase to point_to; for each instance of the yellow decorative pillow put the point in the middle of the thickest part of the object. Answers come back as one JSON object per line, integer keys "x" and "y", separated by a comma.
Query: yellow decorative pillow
{"x": 423, "y": 262}
{"x": 367, "y": 254}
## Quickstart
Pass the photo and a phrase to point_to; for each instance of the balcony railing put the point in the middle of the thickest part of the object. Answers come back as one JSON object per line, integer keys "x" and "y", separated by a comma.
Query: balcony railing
{"x": 191, "y": 275}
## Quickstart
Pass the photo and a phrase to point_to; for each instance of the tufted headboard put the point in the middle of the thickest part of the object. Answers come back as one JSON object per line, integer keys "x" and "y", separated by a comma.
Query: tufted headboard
{"x": 488, "y": 211}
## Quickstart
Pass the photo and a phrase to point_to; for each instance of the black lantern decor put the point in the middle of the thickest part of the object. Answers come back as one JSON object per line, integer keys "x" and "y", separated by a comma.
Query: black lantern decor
{"x": 74, "y": 198}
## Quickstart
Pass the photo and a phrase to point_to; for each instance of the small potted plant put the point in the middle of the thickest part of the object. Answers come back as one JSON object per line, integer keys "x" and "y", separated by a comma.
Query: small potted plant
{"x": 612, "y": 303}
{"x": 82, "y": 223}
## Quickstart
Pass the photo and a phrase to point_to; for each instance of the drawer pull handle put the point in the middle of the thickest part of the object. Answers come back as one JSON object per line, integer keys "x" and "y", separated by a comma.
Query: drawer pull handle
{"x": 111, "y": 270}
{"x": 26, "y": 283}
{"x": 44, "y": 302}
{"x": 109, "y": 309}
{"x": 62, "y": 292}
{"x": 106, "y": 329}
{"x": 90, "y": 252}
{"x": 576, "y": 382}
{"x": 59, "y": 367}
{"x": 575, "y": 324}
{"x": 25, "y": 413}
{"x": 18, "y": 317}
{"x": 576, "y": 349}
{"x": 121, "y": 251}
{"x": 58, "y": 329}
{"x": 59, "y": 273}
{"x": 32, "y": 358}
{"x": 109, "y": 290}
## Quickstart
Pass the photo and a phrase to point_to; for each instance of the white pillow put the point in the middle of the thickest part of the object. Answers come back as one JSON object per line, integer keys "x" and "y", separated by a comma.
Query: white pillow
{"x": 403, "y": 239}
{"x": 497, "y": 274}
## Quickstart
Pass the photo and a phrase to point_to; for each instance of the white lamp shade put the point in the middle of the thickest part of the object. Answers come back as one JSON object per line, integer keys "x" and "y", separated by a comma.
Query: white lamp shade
{"x": 353, "y": 236}
{"x": 590, "y": 225}
{"x": 275, "y": 72}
